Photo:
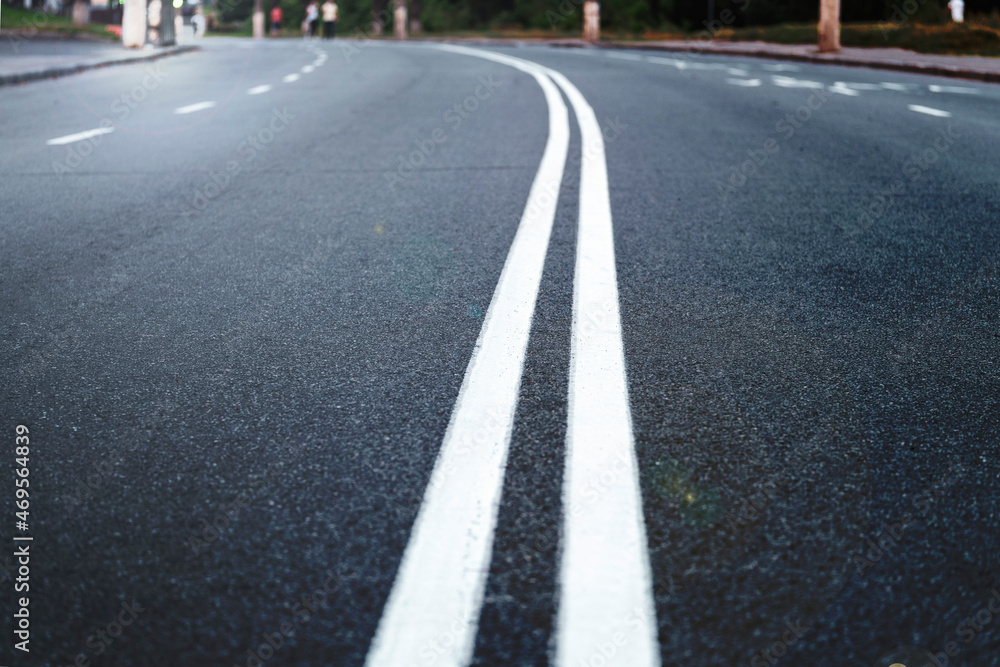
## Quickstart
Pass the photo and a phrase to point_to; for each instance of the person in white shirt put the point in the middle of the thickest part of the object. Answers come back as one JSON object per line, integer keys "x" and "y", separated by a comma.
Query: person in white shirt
{"x": 330, "y": 15}
{"x": 312, "y": 18}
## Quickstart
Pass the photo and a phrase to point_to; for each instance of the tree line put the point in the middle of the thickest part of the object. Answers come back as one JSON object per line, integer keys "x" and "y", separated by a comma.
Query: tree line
{"x": 634, "y": 16}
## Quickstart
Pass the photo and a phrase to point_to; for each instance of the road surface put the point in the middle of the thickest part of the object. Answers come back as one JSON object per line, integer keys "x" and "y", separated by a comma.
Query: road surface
{"x": 732, "y": 401}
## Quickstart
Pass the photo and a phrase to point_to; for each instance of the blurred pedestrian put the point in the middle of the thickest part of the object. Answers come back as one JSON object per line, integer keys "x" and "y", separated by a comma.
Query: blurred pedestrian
{"x": 312, "y": 18}
{"x": 276, "y": 16}
{"x": 957, "y": 8}
{"x": 330, "y": 14}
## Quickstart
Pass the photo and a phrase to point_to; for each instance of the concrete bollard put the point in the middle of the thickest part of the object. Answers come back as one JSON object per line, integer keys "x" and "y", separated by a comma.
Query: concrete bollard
{"x": 399, "y": 19}
{"x": 829, "y": 26}
{"x": 134, "y": 24}
{"x": 591, "y": 21}
{"x": 81, "y": 12}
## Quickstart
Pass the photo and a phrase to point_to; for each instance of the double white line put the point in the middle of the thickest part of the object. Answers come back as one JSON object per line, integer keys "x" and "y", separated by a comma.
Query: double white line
{"x": 605, "y": 589}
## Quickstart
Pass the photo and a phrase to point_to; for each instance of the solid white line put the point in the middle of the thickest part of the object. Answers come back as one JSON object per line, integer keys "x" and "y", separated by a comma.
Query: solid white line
{"x": 605, "y": 584}
{"x": 958, "y": 90}
{"x": 438, "y": 592}
{"x": 257, "y": 90}
{"x": 746, "y": 83}
{"x": 191, "y": 108}
{"x": 79, "y": 136}
{"x": 290, "y": 78}
{"x": 929, "y": 111}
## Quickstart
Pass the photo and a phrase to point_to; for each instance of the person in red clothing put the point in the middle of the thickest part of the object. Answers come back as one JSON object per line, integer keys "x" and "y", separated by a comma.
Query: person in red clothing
{"x": 276, "y": 15}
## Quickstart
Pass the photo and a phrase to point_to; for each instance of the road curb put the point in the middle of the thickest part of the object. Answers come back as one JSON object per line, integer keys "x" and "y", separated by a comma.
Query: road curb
{"x": 916, "y": 68}
{"x": 830, "y": 59}
{"x": 52, "y": 72}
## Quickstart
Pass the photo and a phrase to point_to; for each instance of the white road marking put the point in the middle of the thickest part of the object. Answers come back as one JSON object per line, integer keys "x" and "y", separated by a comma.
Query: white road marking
{"x": 605, "y": 582}
{"x": 257, "y": 90}
{"x": 746, "y": 83}
{"x": 788, "y": 82}
{"x": 958, "y": 90}
{"x": 840, "y": 88}
{"x": 781, "y": 68}
{"x": 896, "y": 86}
{"x": 623, "y": 56}
{"x": 929, "y": 111}
{"x": 318, "y": 62}
{"x": 438, "y": 591}
{"x": 679, "y": 64}
{"x": 291, "y": 78}
{"x": 308, "y": 69}
{"x": 733, "y": 71}
{"x": 79, "y": 136}
{"x": 191, "y": 108}
{"x": 858, "y": 86}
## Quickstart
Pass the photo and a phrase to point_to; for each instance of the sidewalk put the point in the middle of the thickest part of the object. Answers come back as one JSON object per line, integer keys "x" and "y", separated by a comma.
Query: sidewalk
{"x": 28, "y": 57}
{"x": 966, "y": 67}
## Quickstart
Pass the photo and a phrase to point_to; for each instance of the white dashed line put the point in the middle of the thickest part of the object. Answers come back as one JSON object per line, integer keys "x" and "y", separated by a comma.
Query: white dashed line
{"x": 929, "y": 111}
{"x": 902, "y": 87}
{"x": 679, "y": 64}
{"x": 858, "y": 86}
{"x": 781, "y": 68}
{"x": 291, "y": 78}
{"x": 841, "y": 89}
{"x": 318, "y": 62}
{"x": 746, "y": 83}
{"x": 788, "y": 82}
{"x": 308, "y": 69}
{"x": 958, "y": 90}
{"x": 191, "y": 108}
{"x": 257, "y": 90}
{"x": 732, "y": 71}
{"x": 438, "y": 591}
{"x": 79, "y": 136}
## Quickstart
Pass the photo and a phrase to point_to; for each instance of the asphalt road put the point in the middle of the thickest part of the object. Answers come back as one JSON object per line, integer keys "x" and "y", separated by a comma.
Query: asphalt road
{"x": 238, "y": 316}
